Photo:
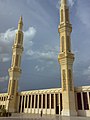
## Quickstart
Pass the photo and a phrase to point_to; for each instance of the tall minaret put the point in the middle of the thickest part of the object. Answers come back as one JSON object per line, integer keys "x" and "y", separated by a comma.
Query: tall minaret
{"x": 66, "y": 59}
{"x": 15, "y": 70}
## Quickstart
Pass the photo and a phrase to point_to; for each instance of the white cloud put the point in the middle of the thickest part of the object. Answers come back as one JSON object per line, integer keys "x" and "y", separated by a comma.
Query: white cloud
{"x": 4, "y": 78}
{"x": 38, "y": 68}
{"x": 71, "y": 2}
{"x": 29, "y": 34}
{"x": 6, "y": 42}
{"x": 47, "y": 54}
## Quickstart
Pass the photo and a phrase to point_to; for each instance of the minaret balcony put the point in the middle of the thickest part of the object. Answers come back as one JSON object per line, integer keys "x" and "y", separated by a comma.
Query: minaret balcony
{"x": 64, "y": 27}
{"x": 66, "y": 55}
{"x": 15, "y": 69}
{"x": 17, "y": 46}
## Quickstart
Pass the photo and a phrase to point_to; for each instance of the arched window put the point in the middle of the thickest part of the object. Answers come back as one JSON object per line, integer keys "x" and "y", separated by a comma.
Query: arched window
{"x": 70, "y": 78}
{"x": 64, "y": 80}
{"x": 19, "y": 38}
{"x": 67, "y": 15}
{"x": 61, "y": 15}
{"x": 62, "y": 43}
{"x": 68, "y": 44}
{"x": 17, "y": 60}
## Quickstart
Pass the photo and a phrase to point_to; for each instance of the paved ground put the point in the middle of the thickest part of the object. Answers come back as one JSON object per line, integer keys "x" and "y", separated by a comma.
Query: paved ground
{"x": 44, "y": 117}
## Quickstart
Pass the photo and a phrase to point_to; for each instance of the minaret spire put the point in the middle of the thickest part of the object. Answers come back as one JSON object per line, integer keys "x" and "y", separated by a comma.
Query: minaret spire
{"x": 20, "y": 23}
{"x": 15, "y": 69}
{"x": 63, "y": 2}
{"x": 66, "y": 59}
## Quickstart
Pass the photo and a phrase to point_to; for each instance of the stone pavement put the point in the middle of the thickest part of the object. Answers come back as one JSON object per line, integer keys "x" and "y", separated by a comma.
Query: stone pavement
{"x": 44, "y": 117}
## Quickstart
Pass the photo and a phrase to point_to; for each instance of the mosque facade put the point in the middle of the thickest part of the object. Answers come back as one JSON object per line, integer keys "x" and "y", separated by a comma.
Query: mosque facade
{"x": 65, "y": 101}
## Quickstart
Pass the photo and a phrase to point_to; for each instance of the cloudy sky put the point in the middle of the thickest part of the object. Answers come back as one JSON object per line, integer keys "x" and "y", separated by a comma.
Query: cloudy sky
{"x": 40, "y": 68}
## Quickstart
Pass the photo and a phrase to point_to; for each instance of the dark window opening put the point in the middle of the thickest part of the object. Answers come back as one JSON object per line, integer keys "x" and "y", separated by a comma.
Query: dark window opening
{"x": 52, "y": 100}
{"x": 79, "y": 101}
{"x": 36, "y": 101}
{"x": 61, "y": 15}
{"x": 85, "y": 100}
{"x": 43, "y": 101}
{"x": 48, "y": 98}
{"x": 61, "y": 102}
{"x": 29, "y": 101}
{"x": 32, "y": 101}
{"x": 20, "y": 103}
{"x": 26, "y": 102}
{"x": 39, "y": 101}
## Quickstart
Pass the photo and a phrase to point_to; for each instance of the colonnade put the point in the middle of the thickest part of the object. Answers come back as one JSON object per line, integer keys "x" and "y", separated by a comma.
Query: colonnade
{"x": 3, "y": 100}
{"x": 83, "y": 100}
{"x": 49, "y": 103}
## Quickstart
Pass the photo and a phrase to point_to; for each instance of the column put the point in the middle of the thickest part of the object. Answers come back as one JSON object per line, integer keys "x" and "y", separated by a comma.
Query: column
{"x": 76, "y": 102}
{"x": 34, "y": 102}
{"x": 24, "y": 103}
{"x": 21, "y": 103}
{"x": 31, "y": 105}
{"x": 54, "y": 103}
{"x": 50, "y": 102}
{"x": 27, "y": 102}
{"x": 38, "y": 104}
{"x": 42, "y": 102}
{"x": 46, "y": 103}
{"x": 82, "y": 100}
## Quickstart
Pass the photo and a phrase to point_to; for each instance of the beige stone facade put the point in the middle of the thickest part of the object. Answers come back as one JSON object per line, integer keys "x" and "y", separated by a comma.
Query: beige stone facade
{"x": 66, "y": 59}
{"x": 49, "y": 101}
{"x": 65, "y": 101}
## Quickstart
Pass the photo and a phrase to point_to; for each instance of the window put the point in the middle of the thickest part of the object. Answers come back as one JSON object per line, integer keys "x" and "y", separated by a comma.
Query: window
{"x": 32, "y": 101}
{"x": 68, "y": 44}
{"x": 85, "y": 100}
{"x": 61, "y": 102}
{"x": 36, "y": 101}
{"x": 43, "y": 101}
{"x": 79, "y": 101}
{"x": 19, "y": 38}
{"x": 39, "y": 101}
{"x": 20, "y": 104}
{"x": 17, "y": 59}
{"x": 64, "y": 80}
{"x": 52, "y": 100}
{"x": 9, "y": 86}
{"x": 70, "y": 79}
{"x": 62, "y": 39}
{"x": 13, "y": 86}
{"x": 67, "y": 15}
{"x": 61, "y": 15}
{"x": 29, "y": 101}
{"x": 23, "y": 104}
{"x": 26, "y": 102}
{"x": 48, "y": 98}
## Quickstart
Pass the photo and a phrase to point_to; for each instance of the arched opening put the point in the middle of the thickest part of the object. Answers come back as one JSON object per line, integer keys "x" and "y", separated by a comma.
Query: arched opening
{"x": 62, "y": 43}
{"x": 61, "y": 15}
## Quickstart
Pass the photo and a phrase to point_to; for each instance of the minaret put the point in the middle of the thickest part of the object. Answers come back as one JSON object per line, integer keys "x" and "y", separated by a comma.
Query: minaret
{"x": 66, "y": 59}
{"x": 15, "y": 70}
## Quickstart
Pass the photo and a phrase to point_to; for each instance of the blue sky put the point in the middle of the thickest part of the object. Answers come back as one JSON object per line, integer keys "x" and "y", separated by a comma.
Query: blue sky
{"x": 40, "y": 67}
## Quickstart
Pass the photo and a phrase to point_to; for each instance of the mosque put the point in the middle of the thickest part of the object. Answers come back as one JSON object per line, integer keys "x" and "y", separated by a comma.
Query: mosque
{"x": 65, "y": 101}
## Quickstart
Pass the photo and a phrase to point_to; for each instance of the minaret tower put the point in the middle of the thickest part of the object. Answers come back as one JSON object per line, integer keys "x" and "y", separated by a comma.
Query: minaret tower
{"x": 15, "y": 70}
{"x": 66, "y": 59}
